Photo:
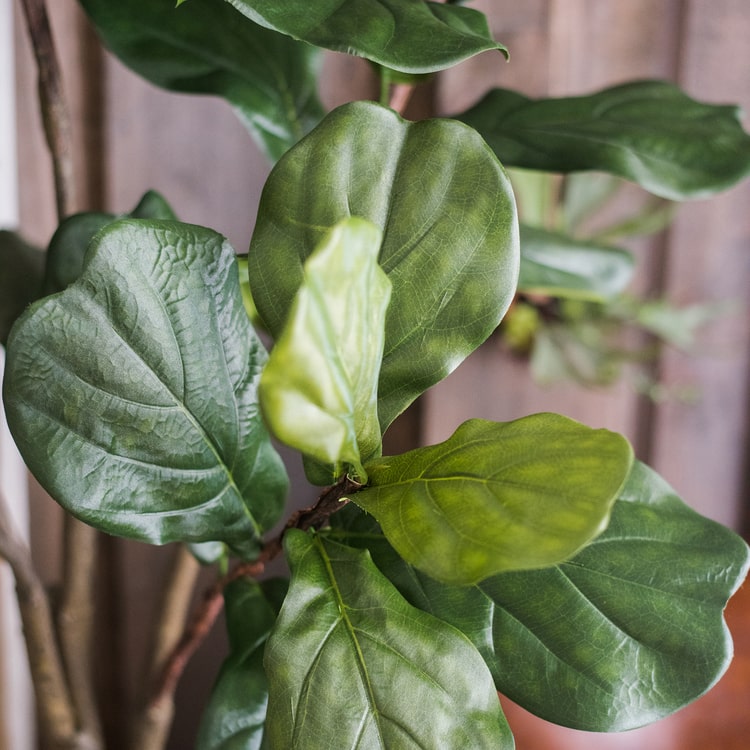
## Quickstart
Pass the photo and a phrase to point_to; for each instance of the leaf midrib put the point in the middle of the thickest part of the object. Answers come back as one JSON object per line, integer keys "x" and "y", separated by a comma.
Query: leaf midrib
{"x": 351, "y": 630}
{"x": 92, "y": 305}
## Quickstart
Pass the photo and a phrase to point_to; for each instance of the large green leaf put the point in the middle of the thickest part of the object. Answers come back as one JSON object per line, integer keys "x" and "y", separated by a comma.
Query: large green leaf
{"x": 71, "y": 239}
{"x": 648, "y": 131}
{"x": 132, "y": 394}
{"x": 319, "y": 389}
{"x": 235, "y": 716}
{"x": 22, "y": 268}
{"x": 407, "y": 35}
{"x": 204, "y": 47}
{"x": 628, "y": 631}
{"x": 351, "y": 665}
{"x": 558, "y": 265}
{"x": 498, "y": 496}
{"x": 450, "y": 245}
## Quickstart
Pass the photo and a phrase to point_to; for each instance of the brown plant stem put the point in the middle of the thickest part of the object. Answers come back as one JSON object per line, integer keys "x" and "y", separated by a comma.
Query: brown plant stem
{"x": 55, "y": 116}
{"x": 151, "y": 727}
{"x": 55, "y": 709}
{"x": 400, "y": 95}
{"x": 75, "y": 622}
{"x": 76, "y": 617}
{"x": 154, "y": 726}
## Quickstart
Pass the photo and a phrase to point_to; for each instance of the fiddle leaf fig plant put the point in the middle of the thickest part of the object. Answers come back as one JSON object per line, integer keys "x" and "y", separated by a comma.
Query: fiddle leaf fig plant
{"x": 535, "y": 558}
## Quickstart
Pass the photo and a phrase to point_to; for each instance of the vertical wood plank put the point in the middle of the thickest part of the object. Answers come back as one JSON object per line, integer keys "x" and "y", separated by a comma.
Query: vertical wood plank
{"x": 701, "y": 448}
{"x": 582, "y": 45}
{"x": 553, "y": 47}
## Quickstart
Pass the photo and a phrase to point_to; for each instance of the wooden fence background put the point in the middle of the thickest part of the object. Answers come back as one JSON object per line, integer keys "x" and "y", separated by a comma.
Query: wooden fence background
{"x": 130, "y": 137}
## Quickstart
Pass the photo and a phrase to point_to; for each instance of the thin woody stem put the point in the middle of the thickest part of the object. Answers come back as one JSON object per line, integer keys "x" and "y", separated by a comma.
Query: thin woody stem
{"x": 401, "y": 93}
{"x": 76, "y": 616}
{"x": 154, "y": 727}
{"x": 54, "y": 704}
{"x": 52, "y": 102}
{"x": 151, "y": 728}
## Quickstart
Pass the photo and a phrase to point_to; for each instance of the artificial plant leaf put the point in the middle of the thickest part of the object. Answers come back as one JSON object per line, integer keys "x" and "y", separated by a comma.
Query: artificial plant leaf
{"x": 351, "y": 665}
{"x": 647, "y": 131}
{"x": 319, "y": 390}
{"x": 153, "y": 205}
{"x": 450, "y": 246}
{"x": 236, "y": 713}
{"x": 132, "y": 394}
{"x": 628, "y": 631}
{"x": 71, "y": 239}
{"x": 560, "y": 266}
{"x": 204, "y": 47}
{"x": 410, "y": 36}
{"x": 68, "y": 246}
{"x": 21, "y": 279}
{"x": 498, "y": 496}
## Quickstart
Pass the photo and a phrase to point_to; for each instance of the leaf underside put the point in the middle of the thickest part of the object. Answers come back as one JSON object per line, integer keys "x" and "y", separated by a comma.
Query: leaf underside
{"x": 412, "y": 37}
{"x": 204, "y": 47}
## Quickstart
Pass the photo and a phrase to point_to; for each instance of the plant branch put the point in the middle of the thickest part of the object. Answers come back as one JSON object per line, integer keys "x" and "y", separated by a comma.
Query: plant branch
{"x": 154, "y": 726}
{"x": 54, "y": 110}
{"x": 57, "y": 716}
{"x": 401, "y": 93}
{"x": 75, "y": 621}
{"x": 76, "y": 617}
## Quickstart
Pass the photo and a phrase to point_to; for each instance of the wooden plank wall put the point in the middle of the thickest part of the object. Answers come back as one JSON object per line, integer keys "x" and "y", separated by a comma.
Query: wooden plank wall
{"x": 131, "y": 137}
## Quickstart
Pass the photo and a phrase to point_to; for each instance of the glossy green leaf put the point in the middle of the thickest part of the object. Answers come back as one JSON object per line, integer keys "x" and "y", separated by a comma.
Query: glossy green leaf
{"x": 628, "y": 631}
{"x": 406, "y": 35}
{"x": 153, "y": 206}
{"x": 648, "y": 131}
{"x": 450, "y": 245}
{"x": 20, "y": 281}
{"x": 319, "y": 389}
{"x": 498, "y": 496}
{"x": 351, "y": 665}
{"x": 204, "y": 47}
{"x": 560, "y": 266}
{"x": 235, "y": 716}
{"x": 132, "y": 394}
{"x": 68, "y": 247}
{"x": 71, "y": 239}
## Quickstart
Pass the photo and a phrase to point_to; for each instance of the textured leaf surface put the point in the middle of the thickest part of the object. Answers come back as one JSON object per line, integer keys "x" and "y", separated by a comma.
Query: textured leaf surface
{"x": 413, "y": 37}
{"x": 648, "y": 131}
{"x": 351, "y": 665}
{"x": 498, "y": 496}
{"x": 236, "y": 713}
{"x": 204, "y": 47}
{"x": 318, "y": 391}
{"x": 70, "y": 241}
{"x": 450, "y": 235}
{"x": 628, "y": 631}
{"x": 558, "y": 265}
{"x": 20, "y": 281}
{"x": 132, "y": 394}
